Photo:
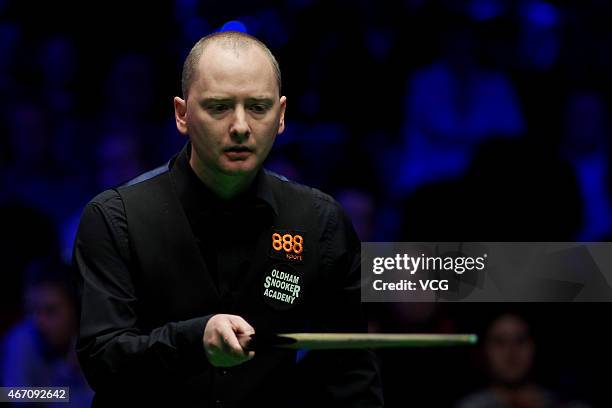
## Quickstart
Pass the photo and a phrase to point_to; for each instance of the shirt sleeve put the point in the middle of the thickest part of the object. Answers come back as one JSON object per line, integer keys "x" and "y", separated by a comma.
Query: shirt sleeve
{"x": 112, "y": 350}
{"x": 349, "y": 377}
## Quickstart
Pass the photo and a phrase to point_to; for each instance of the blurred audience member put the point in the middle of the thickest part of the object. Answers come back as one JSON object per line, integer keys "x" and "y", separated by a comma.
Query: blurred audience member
{"x": 539, "y": 42}
{"x": 133, "y": 106}
{"x": 119, "y": 158}
{"x": 509, "y": 350}
{"x": 585, "y": 146}
{"x": 39, "y": 351}
{"x": 451, "y": 106}
{"x": 33, "y": 175}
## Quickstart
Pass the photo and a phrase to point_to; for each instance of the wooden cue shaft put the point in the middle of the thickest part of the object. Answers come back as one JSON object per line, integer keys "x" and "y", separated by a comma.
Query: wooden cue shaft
{"x": 328, "y": 341}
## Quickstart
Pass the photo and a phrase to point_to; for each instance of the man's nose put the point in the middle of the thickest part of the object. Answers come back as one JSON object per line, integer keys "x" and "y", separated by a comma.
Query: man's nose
{"x": 239, "y": 129}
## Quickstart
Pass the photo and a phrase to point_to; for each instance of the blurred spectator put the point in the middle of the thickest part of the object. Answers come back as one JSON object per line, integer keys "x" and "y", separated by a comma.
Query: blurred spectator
{"x": 539, "y": 34}
{"x": 39, "y": 351}
{"x": 119, "y": 158}
{"x": 509, "y": 348}
{"x": 34, "y": 174}
{"x": 132, "y": 105}
{"x": 509, "y": 352}
{"x": 585, "y": 146}
{"x": 451, "y": 106}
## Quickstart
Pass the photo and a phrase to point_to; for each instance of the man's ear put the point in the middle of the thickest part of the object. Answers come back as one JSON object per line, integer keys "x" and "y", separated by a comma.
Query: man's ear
{"x": 281, "y": 120}
{"x": 180, "y": 114}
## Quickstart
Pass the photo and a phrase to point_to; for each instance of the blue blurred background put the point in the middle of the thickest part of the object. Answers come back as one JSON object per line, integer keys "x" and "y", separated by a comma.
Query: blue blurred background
{"x": 470, "y": 120}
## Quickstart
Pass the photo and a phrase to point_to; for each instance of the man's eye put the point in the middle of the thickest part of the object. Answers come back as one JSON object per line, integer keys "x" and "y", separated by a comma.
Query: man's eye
{"x": 217, "y": 108}
{"x": 259, "y": 108}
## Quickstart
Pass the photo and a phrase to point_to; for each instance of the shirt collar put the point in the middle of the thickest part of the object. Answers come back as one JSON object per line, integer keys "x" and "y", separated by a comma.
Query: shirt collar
{"x": 196, "y": 198}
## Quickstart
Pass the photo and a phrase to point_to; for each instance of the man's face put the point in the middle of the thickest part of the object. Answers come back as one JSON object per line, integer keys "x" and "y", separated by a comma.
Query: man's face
{"x": 53, "y": 314}
{"x": 509, "y": 349}
{"x": 233, "y": 112}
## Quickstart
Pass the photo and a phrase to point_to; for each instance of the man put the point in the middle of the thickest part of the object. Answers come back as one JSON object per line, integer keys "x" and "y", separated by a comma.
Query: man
{"x": 509, "y": 355}
{"x": 182, "y": 264}
{"x": 39, "y": 350}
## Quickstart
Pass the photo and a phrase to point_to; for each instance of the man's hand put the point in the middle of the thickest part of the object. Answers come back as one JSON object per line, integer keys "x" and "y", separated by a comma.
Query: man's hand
{"x": 221, "y": 340}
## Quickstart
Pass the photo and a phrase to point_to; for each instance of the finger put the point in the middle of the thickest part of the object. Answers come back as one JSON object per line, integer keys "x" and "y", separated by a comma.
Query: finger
{"x": 240, "y": 325}
{"x": 243, "y": 331}
{"x": 245, "y": 341}
{"x": 231, "y": 345}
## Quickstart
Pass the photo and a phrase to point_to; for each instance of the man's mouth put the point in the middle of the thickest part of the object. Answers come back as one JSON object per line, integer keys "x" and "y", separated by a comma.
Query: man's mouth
{"x": 238, "y": 149}
{"x": 237, "y": 152}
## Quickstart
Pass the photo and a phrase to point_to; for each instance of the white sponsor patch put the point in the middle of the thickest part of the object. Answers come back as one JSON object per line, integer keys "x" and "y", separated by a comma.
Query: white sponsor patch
{"x": 281, "y": 287}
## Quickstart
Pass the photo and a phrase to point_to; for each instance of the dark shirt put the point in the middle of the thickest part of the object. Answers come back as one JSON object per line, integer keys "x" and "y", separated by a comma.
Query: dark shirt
{"x": 226, "y": 233}
{"x": 226, "y": 230}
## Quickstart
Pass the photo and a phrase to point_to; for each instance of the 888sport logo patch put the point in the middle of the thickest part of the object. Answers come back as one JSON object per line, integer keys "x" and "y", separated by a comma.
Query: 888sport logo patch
{"x": 288, "y": 245}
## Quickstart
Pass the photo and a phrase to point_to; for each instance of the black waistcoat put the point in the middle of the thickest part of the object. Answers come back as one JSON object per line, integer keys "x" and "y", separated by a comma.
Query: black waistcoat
{"x": 173, "y": 283}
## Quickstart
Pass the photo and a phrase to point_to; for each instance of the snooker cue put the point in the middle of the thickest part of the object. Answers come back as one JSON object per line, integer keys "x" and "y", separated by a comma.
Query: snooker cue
{"x": 337, "y": 341}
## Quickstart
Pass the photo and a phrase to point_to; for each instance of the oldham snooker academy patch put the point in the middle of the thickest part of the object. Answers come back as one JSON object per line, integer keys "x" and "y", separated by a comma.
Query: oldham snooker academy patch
{"x": 281, "y": 287}
{"x": 288, "y": 245}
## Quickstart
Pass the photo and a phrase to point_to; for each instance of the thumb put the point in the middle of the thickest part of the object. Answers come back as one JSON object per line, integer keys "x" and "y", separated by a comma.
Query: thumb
{"x": 243, "y": 332}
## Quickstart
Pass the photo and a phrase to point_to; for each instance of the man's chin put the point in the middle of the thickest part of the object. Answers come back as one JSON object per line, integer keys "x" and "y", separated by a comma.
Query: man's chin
{"x": 239, "y": 168}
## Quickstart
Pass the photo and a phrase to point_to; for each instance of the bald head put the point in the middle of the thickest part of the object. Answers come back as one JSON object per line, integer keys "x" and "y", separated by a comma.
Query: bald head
{"x": 235, "y": 41}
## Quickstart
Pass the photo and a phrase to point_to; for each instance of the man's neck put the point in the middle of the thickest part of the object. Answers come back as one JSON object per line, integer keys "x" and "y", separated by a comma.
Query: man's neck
{"x": 223, "y": 186}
